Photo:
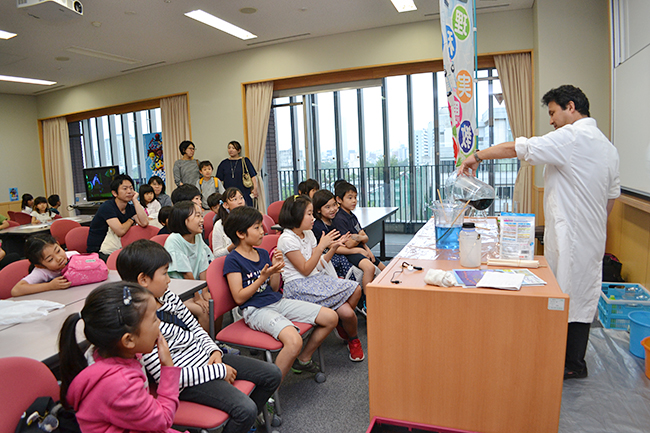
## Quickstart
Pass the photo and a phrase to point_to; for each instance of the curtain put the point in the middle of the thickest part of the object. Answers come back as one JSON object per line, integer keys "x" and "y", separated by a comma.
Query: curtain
{"x": 58, "y": 162}
{"x": 515, "y": 73}
{"x": 259, "y": 97}
{"x": 174, "y": 114}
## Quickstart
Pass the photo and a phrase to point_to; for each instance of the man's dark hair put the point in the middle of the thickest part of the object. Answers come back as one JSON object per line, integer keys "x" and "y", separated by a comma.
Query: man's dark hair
{"x": 344, "y": 188}
{"x": 180, "y": 212}
{"x": 163, "y": 214}
{"x": 566, "y": 93}
{"x": 184, "y": 145}
{"x": 205, "y": 163}
{"x": 118, "y": 180}
{"x": 293, "y": 211}
{"x": 141, "y": 257}
{"x": 239, "y": 221}
{"x": 185, "y": 192}
{"x": 53, "y": 200}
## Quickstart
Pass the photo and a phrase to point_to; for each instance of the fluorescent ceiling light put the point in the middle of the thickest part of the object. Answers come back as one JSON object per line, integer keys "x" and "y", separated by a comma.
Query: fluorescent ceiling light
{"x": 220, "y": 24}
{"x": 404, "y": 5}
{"x": 102, "y": 55}
{"x": 26, "y": 80}
{"x": 6, "y": 35}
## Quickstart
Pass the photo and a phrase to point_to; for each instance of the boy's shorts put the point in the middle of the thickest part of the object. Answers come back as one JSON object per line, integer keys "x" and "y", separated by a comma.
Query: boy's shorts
{"x": 273, "y": 318}
{"x": 355, "y": 259}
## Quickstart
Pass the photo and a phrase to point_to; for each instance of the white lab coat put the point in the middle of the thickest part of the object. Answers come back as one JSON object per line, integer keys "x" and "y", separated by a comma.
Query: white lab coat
{"x": 581, "y": 174}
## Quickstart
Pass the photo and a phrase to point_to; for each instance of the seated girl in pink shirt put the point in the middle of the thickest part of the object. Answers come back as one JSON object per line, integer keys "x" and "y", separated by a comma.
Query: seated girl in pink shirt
{"x": 48, "y": 259}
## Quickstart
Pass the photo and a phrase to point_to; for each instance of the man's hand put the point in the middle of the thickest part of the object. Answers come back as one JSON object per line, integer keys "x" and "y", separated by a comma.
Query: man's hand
{"x": 468, "y": 166}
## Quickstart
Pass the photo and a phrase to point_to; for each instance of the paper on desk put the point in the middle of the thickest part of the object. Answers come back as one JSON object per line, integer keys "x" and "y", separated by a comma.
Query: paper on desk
{"x": 500, "y": 280}
{"x": 12, "y": 312}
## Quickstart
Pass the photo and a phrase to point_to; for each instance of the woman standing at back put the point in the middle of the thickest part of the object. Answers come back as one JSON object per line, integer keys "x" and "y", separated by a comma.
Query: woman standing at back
{"x": 186, "y": 169}
{"x": 232, "y": 170}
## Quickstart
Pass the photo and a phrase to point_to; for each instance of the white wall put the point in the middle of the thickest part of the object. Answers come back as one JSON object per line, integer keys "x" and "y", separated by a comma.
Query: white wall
{"x": 20, "y": 154}
{"x": 214, "y": 83}
{"x": 571, "y": 40}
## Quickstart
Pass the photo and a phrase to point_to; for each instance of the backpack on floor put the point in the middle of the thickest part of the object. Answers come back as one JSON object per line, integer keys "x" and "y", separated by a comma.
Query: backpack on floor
{"x": 44, "y": 415}
{"x": 612, "y": 269}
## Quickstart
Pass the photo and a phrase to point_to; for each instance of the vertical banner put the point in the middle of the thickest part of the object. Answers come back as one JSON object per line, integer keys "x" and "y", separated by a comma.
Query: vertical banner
{"x": 153, "y": 158}
{"x": 457, "y": 25}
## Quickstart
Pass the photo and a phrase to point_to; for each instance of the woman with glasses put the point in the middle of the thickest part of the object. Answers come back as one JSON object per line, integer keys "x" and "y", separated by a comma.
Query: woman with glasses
{"x": 186, "y": 169}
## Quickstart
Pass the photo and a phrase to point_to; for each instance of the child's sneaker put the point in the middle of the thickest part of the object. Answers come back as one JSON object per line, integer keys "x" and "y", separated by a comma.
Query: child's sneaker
{"x": 356, "y": 351}
{"x": 311, "y": 367}
{"x": 340, "y": 332}
{"x": 361, "y": 307}
{"x": 227, "y": 350}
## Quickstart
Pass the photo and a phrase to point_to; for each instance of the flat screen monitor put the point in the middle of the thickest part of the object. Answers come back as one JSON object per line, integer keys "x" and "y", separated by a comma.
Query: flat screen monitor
{"x": 98, "y": 182}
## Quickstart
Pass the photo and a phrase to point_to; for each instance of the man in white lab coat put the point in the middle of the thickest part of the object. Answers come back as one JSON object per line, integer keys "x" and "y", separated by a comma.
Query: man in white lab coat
{"x": 580, "y": 184}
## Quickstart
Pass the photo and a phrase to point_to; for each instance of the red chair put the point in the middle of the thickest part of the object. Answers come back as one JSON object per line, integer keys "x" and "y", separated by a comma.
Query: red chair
{"x": 22, "y": 218}
{"x": 61, "y": 227}
{"x": 57, "y": 217}
{"x": 268, "y": 223}
{"x": 274, "y": 210}
{"x": 210, "y": 239}
{"x": 160, "y": 239}
{"x": 112, "y": 260}
{"x": 77, "y": 239}
{"x": 22, "y": 381}
{"x": 269, "y": 242}
{"x": 136, "y": 233}
{"x": 238, "y": 333}
{"x": 9, "y": 277}
{"x": 208, "y": 223}
{"x": 11, "y": 214}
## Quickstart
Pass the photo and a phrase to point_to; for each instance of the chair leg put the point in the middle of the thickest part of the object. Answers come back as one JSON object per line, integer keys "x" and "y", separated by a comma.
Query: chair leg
{"x": 321, "y": 359}
{"x": 276, "y": 394}
{"x": 212, "y": 332}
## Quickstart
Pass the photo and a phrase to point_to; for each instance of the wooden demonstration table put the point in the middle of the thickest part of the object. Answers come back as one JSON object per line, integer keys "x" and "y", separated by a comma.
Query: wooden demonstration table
{"x": 482, "y": 360}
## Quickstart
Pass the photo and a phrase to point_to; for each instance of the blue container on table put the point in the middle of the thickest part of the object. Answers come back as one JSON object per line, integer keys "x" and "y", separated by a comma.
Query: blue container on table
{"x": 639, "y": 329}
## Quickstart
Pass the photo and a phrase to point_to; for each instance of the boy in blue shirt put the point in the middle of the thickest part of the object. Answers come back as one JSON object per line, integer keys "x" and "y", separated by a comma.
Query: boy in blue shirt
{"x": 355, "y": 249}
{"x": 254, "y": 280}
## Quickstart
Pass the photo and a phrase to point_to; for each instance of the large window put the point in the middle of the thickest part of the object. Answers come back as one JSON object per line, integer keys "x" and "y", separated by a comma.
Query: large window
{"x": 392, "y": 139}
{"x": 115, "y": 139}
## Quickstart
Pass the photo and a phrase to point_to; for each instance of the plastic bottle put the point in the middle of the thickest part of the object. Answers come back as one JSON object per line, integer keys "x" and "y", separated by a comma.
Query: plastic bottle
{"x": 470, "y": 246}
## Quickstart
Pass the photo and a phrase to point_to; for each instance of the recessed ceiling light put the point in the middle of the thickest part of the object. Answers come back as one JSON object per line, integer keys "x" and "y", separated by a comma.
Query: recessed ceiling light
{"x": 220, "y": 24}
{"x": 62, "y": 59}
{"x": 404, "y": 5}
{"x": 129, "y": 12}
{"x": 248, "y": 10}
{"x": 96, "y": 24}
{"x": 6, "y": 35}
{"x": 102, "y": 55}
{"x": 26, "y": 80}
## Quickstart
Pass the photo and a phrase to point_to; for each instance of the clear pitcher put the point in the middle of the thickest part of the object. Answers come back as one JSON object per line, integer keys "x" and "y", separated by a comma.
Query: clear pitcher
{"x": 449, "y": 222}
{"x": 466, "y": 188}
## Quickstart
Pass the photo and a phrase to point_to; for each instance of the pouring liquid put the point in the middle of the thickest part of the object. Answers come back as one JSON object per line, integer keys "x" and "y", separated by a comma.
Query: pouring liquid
{"x": 480, "y": 204}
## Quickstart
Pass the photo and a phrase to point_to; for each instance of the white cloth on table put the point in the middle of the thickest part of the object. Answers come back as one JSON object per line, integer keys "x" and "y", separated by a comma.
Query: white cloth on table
{"x": 12, "y": 312}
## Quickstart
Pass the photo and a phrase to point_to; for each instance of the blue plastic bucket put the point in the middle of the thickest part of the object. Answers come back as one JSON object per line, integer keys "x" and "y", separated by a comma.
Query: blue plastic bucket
{"x": 639, "y": 329}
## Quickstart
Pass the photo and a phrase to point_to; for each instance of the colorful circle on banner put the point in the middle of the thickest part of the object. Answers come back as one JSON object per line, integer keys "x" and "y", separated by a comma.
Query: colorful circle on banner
{"x": 465, "y": 136}
{"x": 460, "y": 21}
{"x": 464, "y": 88}
{"x": 455, "y": 112}
{"x": 450, "y": 41}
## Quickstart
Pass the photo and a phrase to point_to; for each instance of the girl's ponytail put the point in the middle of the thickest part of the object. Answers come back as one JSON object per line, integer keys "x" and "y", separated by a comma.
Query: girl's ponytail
{"x": 71, "y": 358}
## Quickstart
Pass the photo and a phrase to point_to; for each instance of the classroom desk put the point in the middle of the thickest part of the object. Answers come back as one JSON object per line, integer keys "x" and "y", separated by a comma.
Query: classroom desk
{"x": 482, "y": 360}
{"x": 39, "y": 339}
{"x": 13, "y": 238}
{"x": 373, "y": 222}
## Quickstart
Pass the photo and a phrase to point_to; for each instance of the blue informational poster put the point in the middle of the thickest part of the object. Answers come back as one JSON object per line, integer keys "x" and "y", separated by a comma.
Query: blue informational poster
{"x": 13, "y": 194}
{"x": 153, "y": 158}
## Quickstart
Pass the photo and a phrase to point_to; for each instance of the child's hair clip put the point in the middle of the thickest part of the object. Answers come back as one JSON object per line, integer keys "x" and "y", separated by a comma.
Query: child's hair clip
{"x": 126, "y": 296}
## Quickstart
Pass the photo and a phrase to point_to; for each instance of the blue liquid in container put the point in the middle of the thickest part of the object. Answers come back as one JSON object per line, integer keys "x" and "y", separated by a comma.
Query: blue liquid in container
{"x": 450, "y": 240}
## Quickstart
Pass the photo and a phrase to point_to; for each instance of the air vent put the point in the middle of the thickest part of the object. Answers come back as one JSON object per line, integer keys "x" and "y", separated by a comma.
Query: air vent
{"x": 49, "y": 89}
{"x": 279, "y": 39}
{"x": 150, "y": 65}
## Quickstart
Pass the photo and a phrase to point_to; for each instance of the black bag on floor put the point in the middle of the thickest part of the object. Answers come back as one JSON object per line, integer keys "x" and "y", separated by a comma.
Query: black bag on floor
{"x": 612, "y": 269}
{"x": 44, "y": 415}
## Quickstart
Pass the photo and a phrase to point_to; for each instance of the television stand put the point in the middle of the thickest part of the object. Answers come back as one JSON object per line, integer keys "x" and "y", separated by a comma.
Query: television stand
{"x": 89, "y": 208}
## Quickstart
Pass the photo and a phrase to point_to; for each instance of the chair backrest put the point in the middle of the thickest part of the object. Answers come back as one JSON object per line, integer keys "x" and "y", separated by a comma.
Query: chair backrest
{"x": 218, "y": 286}
{"x": 208, "y": 223}
{"x": 268, "y": 222}
{"x": 160, "y": 239}
{"x": 61, "y": 227}
{"x": 22, "y": 380}
{"x": 22, "y": 218}
{"x": 210, "y": 239}
{"x": 112, "y": 260}
{"x": 12, "y": 215}
{"x": 274, "y": 210}
{"x": 77, "y": 239}
{"x": 57, "y": 217}
{"x": 10, "y": 275}
{"x": 13, "y": 223}
{"x": 136, "y": 233}
{"x": 269, "y": 242}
